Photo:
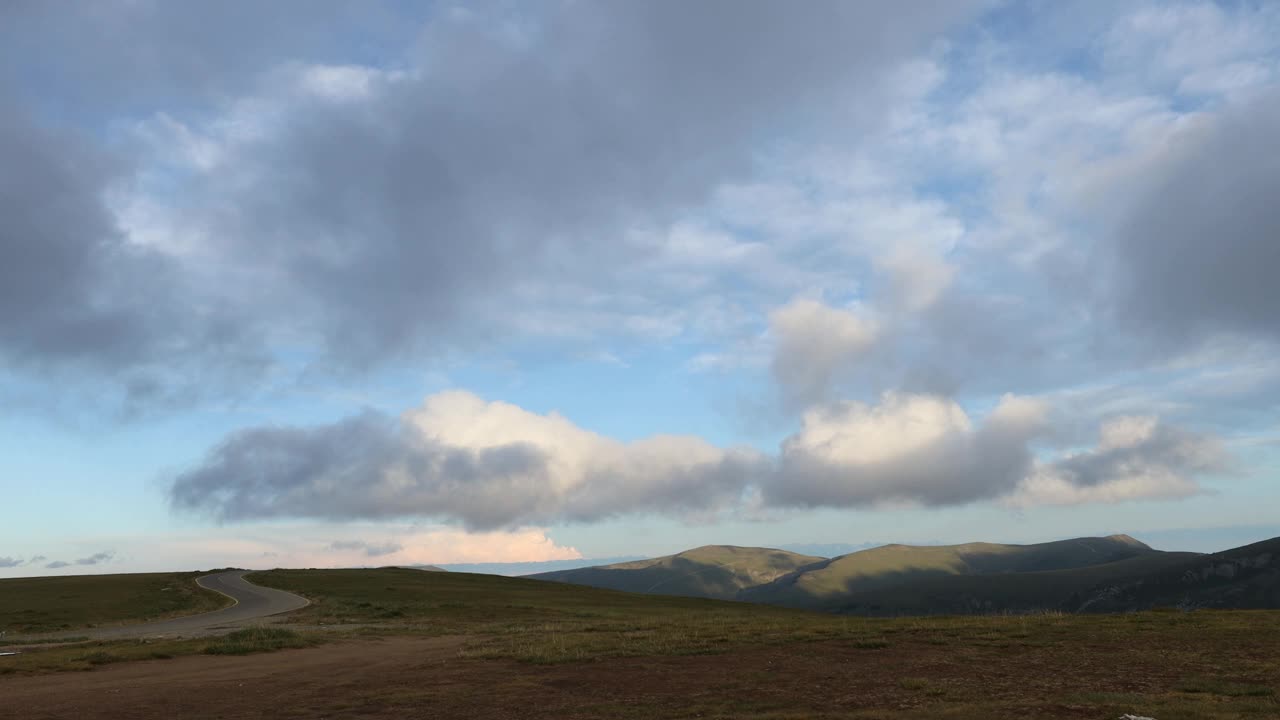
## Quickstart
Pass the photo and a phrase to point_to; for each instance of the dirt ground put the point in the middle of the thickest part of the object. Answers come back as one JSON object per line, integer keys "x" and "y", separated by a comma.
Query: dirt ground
{"x": 427, "y": 678}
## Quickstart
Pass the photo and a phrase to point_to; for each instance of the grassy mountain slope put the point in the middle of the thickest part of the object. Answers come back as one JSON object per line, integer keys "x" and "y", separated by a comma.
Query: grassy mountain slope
{"x": 1015, "y": 592}
{"x": 1241, "y": 578}
{"x": 713, "y": 571}
{"x": 832, "y": 584}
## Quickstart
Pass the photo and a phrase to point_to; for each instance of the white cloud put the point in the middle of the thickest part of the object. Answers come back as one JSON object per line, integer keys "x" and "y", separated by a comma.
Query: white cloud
{"x": 815, "y": 345}
{"x": 1196, "y": 47}
{"x": 310, "y": 546}
{"x": 917, "y": 278}
{"x": 1127, "y": 431}
{"x": 1046, "y": 487}
{"x": 487, "y": 464}
{"x": 1136, "y": 458}
{"x": 341, "y": 83}
{"x": 858, "y": 434}
{"x": 493, "y": 465}
{"x": 908, "y": 448}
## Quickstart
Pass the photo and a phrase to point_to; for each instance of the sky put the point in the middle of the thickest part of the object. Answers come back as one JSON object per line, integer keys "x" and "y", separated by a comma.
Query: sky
{"x": 338, "y": 283}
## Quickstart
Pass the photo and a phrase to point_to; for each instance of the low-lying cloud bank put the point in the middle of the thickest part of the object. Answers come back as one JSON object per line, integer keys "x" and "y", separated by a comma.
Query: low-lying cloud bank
{"x": 490, "y": 465}
{"x": 94, "y": 559}
{"x": 306, "y": 545}
{"x": 368, "y": 549}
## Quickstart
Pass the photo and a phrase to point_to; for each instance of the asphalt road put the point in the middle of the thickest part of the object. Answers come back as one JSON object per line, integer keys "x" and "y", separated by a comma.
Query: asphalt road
{"x": 252, "y": 602}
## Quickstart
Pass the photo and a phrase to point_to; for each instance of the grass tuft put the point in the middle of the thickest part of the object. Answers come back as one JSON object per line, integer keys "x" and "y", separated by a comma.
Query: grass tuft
{"x": 101, "y": 658}
{"x": 1211, "y": 686}
{"x": 870, "y": 644}
{"x": 256, "y": 639}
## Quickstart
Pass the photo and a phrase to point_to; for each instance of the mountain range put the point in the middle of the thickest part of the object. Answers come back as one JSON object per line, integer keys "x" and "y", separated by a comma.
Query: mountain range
{"x": 713, "y": 571}
{"x": 1092, "y": 574}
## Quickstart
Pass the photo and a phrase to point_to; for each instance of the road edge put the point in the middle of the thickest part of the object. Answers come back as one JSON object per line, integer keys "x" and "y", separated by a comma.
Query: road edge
{"x": 234, "y": 601}
{"x": 305, "y": 600}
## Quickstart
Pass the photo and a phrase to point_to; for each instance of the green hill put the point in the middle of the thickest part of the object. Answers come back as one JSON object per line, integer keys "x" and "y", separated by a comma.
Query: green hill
{"x": 1241, "y": 578}
{"x": 712, "y": 571}
{"x": 891, "y": 578}
{"x": 68, "y": 603}
{"x": 1100, "y": 574}
{"x": 1013, "y": 592}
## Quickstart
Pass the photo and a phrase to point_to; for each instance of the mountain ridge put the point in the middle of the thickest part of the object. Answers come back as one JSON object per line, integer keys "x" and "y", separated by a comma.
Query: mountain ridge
{"x": 713, "y": 571}
{"x": 1114, "y": 573}
{"x": 824, "y": 585}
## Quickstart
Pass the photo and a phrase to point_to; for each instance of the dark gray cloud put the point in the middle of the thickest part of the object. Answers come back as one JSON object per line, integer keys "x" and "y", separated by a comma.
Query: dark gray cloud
{"x": 8, "y": 562}
{"x": 370, "y": 550}
{"x": 1163, "y": 450}
{"x": 115, "y": 56}
{"x": 61, "y": 247}
{"x": 532, "y": 469}
{"x": 76, "y": 296}
{"x": 1200, "y": 253}
{"x": 503, "y": 162}
{"x": 1136, "y": 457}
{"x": 367, "y": 466}
{"x": 95, "y": 559}
{"x": 511, "y": 147}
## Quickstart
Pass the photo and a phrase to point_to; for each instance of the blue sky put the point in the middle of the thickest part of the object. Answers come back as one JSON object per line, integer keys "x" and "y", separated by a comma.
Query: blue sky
{"x": 329, "y": 284}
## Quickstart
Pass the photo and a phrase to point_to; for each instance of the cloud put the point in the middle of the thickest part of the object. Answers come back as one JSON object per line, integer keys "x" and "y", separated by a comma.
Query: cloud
{"x": 76, "y": 297}
{"x": 370, "y": 550}
{"x": 907, "y": 449}
{"x": 490, "y": 465}
{"x": 119, "y": 56}
{"x": 815, "y": 346}
{"x": 8, "y": 562}
{"x": 452, "y": 220}
{"x": 916, "y": 278}
{"x": 1136, "y": 458}
{"x": 309, "y": 545}
{"x": 1198, "y": 254}
{"x": 486, "y": 464}
{"x": 266, "y": 189}
{"x": 1193, "y": 48}
{"x": 95, "y": 559}
{"x": 62, "y": 246}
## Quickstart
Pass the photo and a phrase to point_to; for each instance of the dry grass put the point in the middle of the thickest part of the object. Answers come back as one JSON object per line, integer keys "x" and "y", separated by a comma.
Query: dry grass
{"x": 87, "y": 655}
{"x": 60, "y": 604}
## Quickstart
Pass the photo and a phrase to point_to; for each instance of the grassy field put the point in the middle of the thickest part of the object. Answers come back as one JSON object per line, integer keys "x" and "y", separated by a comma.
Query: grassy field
{"x": 66, "y": 604}
{"x": 570, "y": 651}
{"x": 89, "y": 655}
{"x": 1168, "y": 664}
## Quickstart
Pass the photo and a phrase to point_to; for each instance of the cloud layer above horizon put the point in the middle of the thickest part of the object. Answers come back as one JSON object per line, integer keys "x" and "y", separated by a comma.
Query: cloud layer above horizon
{"x": 920, "y": 254}
{"x": 492, "y": 465}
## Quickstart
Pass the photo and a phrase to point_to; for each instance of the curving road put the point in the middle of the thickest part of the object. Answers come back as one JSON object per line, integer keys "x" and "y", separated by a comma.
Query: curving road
{"x": 252, "y": 603}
